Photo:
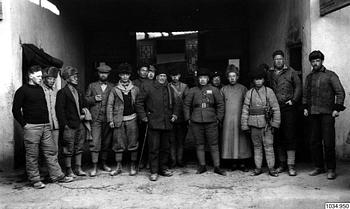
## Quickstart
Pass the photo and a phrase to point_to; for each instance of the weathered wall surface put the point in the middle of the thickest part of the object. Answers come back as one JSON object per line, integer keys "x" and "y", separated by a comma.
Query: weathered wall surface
{"x": 59, "y": 36}
{"x": 276, "y": 24}
{"x": 331, "y": 35}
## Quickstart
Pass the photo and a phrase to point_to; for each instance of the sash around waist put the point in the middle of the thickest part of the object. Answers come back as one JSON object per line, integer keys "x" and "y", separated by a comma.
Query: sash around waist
{"x": 257, "y": 111}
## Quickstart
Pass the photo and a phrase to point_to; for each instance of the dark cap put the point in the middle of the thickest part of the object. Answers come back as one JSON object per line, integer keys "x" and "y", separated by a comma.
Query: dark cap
{"x": 203, "y": 72}
{"x": 277, "y": 52}
{"x": 125, "y": 68}
{"x": 258, "y": 73}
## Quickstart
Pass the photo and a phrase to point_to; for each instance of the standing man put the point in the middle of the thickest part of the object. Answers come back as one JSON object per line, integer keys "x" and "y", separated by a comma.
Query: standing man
{"x": 142, "y": 78}
{"x": 121, "y": 117}
{"x": 180, "y": 127}
{"x": 49, "y": 79}
{"x": 156, "y": 105}
{"x": 70, "y": 115}
{"x": 142, "y": 74}
{"x": 204, "y": 109}
{"x": 286, "y": 84}
{"x": 235, "y": 144}
{"x": 323, "y": 99}
{"x": 216, "y": 79}
{"x": 260, "y": 118}
{"x": 96, "y": 97}
{"x": 31, "y": 111}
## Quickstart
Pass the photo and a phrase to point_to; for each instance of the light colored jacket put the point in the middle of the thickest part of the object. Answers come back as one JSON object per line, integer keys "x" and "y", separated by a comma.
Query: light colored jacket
{"x": 115, "y": 104}
{"x": 260, "y": 98}
{"x": 50, "y": 96}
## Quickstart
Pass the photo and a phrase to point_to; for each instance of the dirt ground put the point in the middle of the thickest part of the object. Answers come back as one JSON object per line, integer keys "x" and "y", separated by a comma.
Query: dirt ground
{"x": 184, "y": 190}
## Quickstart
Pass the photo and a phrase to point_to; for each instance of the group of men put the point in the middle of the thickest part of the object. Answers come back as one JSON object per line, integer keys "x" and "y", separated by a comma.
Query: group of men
{"x": 150, "y": 114}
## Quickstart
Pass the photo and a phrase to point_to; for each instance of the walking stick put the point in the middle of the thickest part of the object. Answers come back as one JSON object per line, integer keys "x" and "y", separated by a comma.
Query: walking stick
{"x": 143, "y": 147}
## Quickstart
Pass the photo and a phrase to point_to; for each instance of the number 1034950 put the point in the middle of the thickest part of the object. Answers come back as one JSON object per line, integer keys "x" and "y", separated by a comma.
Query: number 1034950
{"x": 337, "y": 205}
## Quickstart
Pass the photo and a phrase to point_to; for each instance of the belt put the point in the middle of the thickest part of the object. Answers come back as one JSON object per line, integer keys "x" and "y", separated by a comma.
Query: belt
{"x": 257, "y": 111}
{"x": 206, "y": 105}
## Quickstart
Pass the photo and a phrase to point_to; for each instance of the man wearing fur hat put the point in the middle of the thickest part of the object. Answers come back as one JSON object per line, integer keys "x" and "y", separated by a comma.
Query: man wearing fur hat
{"x": 31, "y": 111}
{"x": 204, "y": 110}
{"x": 157, "y": 106}
{"x": 96, "y": 97}
{"x": 121, "y": 117}
{"x": 260, "y": 117}
{"x": 286, "y": 84}
{"x": 323, "y": 99}
{"x": 69, "y": 105}
{"x": 49, "y": 79}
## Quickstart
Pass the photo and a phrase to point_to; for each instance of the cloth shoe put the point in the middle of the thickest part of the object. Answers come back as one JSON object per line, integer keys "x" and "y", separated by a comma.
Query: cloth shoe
{"x": 316, "y": 172}
{"x": 201, "y": 169}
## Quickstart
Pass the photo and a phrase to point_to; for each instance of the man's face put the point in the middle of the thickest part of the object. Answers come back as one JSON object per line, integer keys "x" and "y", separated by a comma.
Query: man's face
{"x": 203, "y": 80}
{"x": 278, "y": 61}
{"x": 151, "y": 75}
{"x": 161, "y": 78}
{"x": 124, "y": 77}
{"x": 36, "y": 77}
{"x": 103, "y": 76}
{"x": 143, "y": 72}
{"x": 73, "y": 79}
{"x": 216, "y": 81}
{"x": 259, "y": 82}
{"x": 316, "y": 64}
{"x": 175, "y": 78}
{"x": 49, "y": 81}
{"x": 232, "y": 78}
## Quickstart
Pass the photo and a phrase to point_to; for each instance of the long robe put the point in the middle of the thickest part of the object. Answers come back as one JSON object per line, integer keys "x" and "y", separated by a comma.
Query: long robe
{"x": 235, "y": 144}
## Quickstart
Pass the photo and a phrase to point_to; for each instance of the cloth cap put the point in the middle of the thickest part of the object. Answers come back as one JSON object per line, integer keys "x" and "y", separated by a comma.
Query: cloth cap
{"x": 125, "y": 68}
{"x": 69, "y": 71}
{"x": 103, "y": 68}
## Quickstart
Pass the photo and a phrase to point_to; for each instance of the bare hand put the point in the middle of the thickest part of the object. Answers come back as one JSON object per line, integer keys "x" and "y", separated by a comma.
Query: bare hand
{"x": 335, "y": 114}
{"x": 306, "y": 113}
{"x": 289, "y": 102}
{"x": 98, "y": 98}
{"x": 82, "y": 117}
{"x": 145, "y": 119}
{"x": 111, "y": 124}
{"x": 173, "y": 118}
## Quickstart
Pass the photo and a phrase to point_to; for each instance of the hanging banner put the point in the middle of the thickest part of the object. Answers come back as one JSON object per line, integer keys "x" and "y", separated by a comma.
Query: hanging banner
{"x": 328, "y": 6}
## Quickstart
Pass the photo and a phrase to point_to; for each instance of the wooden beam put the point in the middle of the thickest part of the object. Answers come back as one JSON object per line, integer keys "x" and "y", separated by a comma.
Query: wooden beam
{"x": 328, "y": 6}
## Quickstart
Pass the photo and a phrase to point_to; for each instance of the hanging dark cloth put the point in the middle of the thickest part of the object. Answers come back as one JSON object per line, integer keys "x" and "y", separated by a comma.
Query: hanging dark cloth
{"x": 32, "y": 55}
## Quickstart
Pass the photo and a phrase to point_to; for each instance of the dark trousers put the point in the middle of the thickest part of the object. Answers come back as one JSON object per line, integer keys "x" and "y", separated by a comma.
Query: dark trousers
{"x": 322, "y": 129}
{"x": 141, "y": 137}
{"x": 206, "y": 133}
{"x": 177, "y": 142}
{"x": 73, "y": 141}
{"x": 101, "y": 140}
{"x": 159, "y": 149}
{"x": 285, "y": 137}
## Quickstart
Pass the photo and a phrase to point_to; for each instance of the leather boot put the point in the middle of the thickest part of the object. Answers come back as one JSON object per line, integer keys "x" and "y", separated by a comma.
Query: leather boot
{"x": 201, "y": 169}
{"x": 78, "y": 170}
{"x": 219, "y": 171}
{"x": 331, "y": 174}
{"x": 69, "y": 172}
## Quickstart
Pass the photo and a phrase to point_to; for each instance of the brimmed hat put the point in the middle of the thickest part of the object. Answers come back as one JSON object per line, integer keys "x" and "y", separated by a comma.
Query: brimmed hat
{"x": 69, "y": 71}
{"x": 125, "y": 68}
{"x": 50, "y": 72}
{"x": 103, "y": 68}
{"x": 203, "y": 72}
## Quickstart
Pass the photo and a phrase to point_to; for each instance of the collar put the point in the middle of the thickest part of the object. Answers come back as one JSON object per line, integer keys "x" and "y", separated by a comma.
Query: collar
{"x": 322, "y": 70}
{"x": 102, "y": 82}
{"x": 284, "y": 68}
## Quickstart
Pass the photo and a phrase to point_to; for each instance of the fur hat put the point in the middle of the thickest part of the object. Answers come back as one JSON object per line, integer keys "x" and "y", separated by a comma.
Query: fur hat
{"x": 69, "y": 71}
{"x": 203, "y": 72}
{"x": 161, "y": 69}
{"x": 50, "y": 72}
{"x": 258, "y": 73}
{"x": 103, "y": 68}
